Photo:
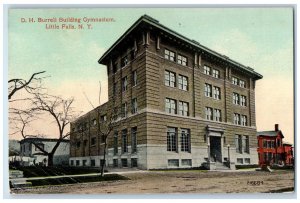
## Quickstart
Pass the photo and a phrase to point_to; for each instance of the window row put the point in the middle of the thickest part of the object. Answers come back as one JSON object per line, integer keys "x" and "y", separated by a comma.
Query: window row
{"x": 171, "y": 107}
{"x": 134, "y": 108}
{"x": 170, "y": 80}
{"x": 237, "y": 81}
{"x": 170, "y": 55}
{"x": 239, "y": 99}
{"x": 271, "y": 143}
{"x": 242, "y": 144}
{"x": 124, "y": 61}
{"x": 124, "y": 162}
{"x": 185, "y": 139}
{"x": 210, "y": 71}
{"x": 212, "y": 91}
{"x": 175, "y": 162}
{"x": 213, "y": 114}
{"x": 124, "y": 141}
{"x": 240, "y": 119}
{"x": 124, "y": 83}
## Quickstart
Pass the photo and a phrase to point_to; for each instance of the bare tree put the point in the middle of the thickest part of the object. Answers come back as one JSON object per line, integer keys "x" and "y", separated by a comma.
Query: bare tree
{"x": 17, "y": 84}
{"x": 59, "y": 109}
{"x": 105, "y": 127}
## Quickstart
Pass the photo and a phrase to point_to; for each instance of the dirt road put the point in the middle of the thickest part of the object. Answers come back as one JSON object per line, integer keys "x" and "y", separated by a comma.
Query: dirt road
{"x": 154, "y": 182}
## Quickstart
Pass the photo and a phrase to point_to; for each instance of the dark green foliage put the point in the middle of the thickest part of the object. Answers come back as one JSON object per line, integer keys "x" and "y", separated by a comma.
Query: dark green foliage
{"x": 246, "y": 166}
{"x": 73, "y": 180}
{"x": 38, "y": 171}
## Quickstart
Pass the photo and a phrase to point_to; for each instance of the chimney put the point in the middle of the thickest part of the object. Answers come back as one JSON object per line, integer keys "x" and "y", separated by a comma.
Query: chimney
{"x": 276, "y": 127}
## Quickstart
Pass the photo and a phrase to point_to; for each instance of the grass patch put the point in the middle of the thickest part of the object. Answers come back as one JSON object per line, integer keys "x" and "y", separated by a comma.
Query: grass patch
{"x": 74, "y": 180}
{"x": 195, "y": 169}
{"x": 240, "y": 167}
{"x": 38, "y": 171}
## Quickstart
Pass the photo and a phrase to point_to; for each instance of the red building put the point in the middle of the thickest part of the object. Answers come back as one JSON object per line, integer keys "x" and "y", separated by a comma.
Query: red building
{"x": 271, "y": 149}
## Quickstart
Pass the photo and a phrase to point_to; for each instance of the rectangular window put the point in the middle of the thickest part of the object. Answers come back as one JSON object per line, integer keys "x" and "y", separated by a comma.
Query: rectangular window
{"x": 78, "y": 144}
{"x": 103, "y": 118}
{"x": 171, "y": 140}
{"x": 236, "y": 119}
{"x": 186, "y": 162}
{"x": 239, "y": 160}
{"x": 124, "y": 84}
{"x": 242, "y": 83}
{"x": 217, "y": 115}
{"x": 93, "y": 163}
{"x": 243, "y": 100}
{"x": 182, "y": 82}
{"x": 134, "y": 162}
{"x": 115, "y": 163}
{"x": 77, "y": 162}
{"x": 207, "y": 70}
{"x": 244, "y": 120}
{"x": 83, "y": 162}
{"x": 72, "y": 162}
{"x": 185, "y": 140}
{"x": 133, "y": 140}
{"x": 124, "y": 162}
{"x": 170, "y": 79}
{"x": 182, "y": 60}
{"x": 234, "y": 80}
{"x": 207, "y": 90}
{"x": 134, "y": 78}
{"x": 93, "y": 141}
{"x": 208, "y": 113}
{"x": 217, "y": 94}
{"x": 134, "y": 106}
{"x": 169, "y": 55}
{"x": 236, "y": 98}
{"x": 216, "y": 73}
{"x": 264, "y": 144}
{"x": 183, "y": 108}
{"x": 124, "y": 110}
{"x": 115, "y": 89}
{"x": 124, "y": 141}
{"x": 115, "y": 143}
{"x": 115, "y": 67}
{"x": 173, "y": 162}
{"x": 247, "y": 160}
{"x": 124, "y": 61}
{"x": 238, "y": 143}
{"x": 170, "y": 106}
{"x": 246, "y": 143}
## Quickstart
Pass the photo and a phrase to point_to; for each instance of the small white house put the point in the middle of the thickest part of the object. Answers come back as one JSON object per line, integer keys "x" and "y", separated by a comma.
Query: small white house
{"x": 28, "y": 148}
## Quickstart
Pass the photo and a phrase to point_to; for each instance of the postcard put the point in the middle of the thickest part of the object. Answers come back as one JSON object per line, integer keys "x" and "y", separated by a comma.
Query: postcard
{"x": 195, "y": 100}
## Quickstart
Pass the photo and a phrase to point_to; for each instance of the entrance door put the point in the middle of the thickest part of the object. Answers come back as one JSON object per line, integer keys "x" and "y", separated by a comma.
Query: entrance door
{"x": 215, "y": 149}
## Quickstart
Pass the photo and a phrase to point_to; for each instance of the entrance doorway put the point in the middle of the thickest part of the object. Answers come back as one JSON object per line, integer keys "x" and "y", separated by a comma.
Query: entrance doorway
{"x": 215, "y": 149}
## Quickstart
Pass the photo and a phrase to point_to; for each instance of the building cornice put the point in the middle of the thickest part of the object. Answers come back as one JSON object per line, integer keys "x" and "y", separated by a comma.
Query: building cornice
{"x": 151, "y": 21}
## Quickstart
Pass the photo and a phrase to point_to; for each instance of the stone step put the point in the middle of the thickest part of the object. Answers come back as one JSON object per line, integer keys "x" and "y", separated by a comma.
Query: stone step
{"x": 20, "y": 183}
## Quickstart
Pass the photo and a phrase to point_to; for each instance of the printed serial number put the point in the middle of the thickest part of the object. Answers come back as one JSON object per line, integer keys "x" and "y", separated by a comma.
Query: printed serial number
{"x": 255, "y": 183}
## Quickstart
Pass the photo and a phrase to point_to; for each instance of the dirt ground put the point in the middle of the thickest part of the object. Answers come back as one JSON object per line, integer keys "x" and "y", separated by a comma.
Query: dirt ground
{"x": 154, "y": 182}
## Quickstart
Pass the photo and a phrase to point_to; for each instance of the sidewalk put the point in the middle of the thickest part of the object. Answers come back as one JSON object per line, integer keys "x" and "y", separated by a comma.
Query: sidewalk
{"x": 120, "y": 172}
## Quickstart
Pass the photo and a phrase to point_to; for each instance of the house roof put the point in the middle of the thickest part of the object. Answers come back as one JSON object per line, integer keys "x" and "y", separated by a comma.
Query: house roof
{"x": 37, "y": 139}
{"x": 271, "y": 133}
{"x": 155, "y": 23}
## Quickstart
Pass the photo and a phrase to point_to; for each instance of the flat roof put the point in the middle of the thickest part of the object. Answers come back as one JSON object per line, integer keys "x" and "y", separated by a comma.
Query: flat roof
{"x": 155, "y": 23}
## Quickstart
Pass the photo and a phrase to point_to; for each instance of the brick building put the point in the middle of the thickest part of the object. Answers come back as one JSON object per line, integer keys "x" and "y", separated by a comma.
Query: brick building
{"x": 181, "y": 105}
{"x": 272, "y": 150}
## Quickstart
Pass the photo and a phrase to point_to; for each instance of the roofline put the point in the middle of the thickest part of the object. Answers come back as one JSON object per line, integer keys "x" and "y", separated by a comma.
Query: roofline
{"x": 42, "y": 139}
{"x": 91, "y": 111}
{"x": 196, "y": 44}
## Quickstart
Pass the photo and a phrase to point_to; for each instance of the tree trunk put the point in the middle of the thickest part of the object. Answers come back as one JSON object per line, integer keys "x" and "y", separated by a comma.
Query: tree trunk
{"x": 104, "y": 158}
{"x": 50, "y": 159}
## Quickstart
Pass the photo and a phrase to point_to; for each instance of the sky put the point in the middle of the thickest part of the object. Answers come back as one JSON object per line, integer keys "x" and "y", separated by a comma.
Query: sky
{"x": 261, "y": 38}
